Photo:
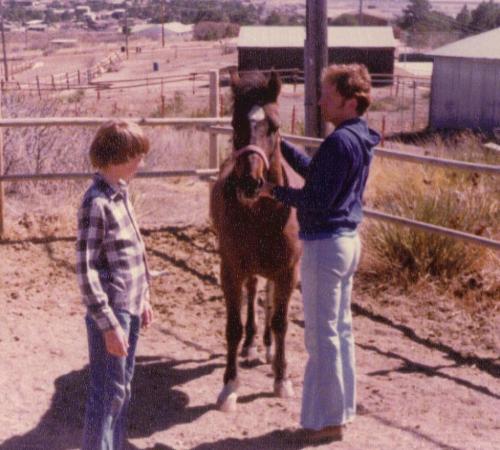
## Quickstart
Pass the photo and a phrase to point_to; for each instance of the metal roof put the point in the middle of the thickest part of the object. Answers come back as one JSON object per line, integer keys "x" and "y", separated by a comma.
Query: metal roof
{"x": 294, "y": 36}
{"x": 481, "y": 46}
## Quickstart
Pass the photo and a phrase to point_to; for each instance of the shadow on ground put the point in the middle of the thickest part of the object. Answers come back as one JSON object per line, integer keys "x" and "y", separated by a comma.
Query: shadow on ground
{"x": 156, "y": 404}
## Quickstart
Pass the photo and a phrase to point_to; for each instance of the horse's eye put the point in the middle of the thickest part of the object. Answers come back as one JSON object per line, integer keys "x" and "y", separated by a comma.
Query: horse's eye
{"x": 273, "y": 127}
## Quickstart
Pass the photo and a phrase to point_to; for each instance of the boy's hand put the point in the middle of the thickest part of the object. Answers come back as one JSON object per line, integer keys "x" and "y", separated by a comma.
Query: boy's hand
{"x": 116, "y": 342}
{"x": 147, "y": 315}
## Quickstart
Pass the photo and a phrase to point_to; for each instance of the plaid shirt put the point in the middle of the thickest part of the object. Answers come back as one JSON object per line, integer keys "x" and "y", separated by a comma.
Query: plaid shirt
{"x": 111, "y": 262}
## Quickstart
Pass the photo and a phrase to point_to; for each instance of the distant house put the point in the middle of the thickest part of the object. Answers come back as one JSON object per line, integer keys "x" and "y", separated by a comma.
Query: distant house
{"x": 171, "y": 29}
{"x": 465, "y": 86}
{"x": 35, "y": 25}
{"x": 63, "y": 43}
{"x": 179, "y": 29}
{"x": 262, "y": 47}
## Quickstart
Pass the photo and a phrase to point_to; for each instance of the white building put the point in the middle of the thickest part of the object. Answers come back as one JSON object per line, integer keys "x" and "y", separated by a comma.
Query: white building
{"x": 465, "y": 89}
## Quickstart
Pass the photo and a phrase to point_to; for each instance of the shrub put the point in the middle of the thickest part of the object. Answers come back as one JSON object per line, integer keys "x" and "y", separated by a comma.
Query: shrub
{"x": 212, "y": 31}
{"x": 418, "y": 254}
{"x": 453, "y": 199}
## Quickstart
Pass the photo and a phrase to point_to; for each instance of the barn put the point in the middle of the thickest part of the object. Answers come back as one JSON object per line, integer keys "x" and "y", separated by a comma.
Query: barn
{"x": 265, "y": 47}
{"x": 465, "y": 86}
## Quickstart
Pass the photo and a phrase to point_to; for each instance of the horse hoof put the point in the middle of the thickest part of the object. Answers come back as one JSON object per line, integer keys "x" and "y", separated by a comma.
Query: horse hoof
{"x": 250, "y": 353}
{"x": 228, "y": 397}
{"x": 269, "y": 355}
{"x": 229, "y": 404}
{"x": 283, "y": 389}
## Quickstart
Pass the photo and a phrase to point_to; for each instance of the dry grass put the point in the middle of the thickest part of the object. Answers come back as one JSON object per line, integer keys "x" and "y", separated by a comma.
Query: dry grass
{"x": 453, "y": 199}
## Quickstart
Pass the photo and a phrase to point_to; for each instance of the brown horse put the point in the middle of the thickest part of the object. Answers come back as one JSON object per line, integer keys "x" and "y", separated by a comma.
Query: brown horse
{"x": 257, "y": 235}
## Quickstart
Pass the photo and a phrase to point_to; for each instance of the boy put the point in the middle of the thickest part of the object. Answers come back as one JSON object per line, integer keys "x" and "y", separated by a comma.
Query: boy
{"x": 113, "y": 278}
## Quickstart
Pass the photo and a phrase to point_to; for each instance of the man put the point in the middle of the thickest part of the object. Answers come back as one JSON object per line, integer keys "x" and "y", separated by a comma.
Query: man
{"x": 329, "y": 209}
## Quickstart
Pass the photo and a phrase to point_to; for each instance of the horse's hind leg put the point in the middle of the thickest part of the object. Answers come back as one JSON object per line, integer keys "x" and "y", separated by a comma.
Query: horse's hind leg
{"x": 231, "y": 286}
{"x": 279, "y": 323}
{"x": 268, "y": 315}
{"x": 249, "y": 350}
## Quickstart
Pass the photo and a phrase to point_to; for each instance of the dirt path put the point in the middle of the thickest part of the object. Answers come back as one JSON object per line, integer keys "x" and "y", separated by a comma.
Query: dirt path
{"x": 417, "y": 388}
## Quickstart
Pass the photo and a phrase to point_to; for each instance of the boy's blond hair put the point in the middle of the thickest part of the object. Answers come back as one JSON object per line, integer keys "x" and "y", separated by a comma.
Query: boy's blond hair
{"x": 116, "y": 142}
{"x": 351, "y": 81}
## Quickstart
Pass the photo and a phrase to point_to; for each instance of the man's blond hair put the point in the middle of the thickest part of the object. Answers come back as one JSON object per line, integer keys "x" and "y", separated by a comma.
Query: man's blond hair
{"x": 116, "y": 142}
{"x": 351, "y": 81}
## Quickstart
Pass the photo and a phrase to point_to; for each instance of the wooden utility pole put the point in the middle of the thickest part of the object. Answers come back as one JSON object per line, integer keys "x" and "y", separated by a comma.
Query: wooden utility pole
{"x": 315, "y": 60}
{"x": 2, "y": 197}
{"x": 162, "y": 12}
{"x": 126, "y": 33}
{"x": 360, "y": 14}
{"x": 214, "y": 105}
{"x": 4, "y": 48}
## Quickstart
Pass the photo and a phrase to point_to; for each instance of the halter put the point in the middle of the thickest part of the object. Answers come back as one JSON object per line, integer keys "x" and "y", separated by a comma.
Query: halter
{"x": 252, "y": 149}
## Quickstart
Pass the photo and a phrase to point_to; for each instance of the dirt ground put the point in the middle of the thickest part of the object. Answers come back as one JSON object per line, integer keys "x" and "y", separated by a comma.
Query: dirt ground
{"x": 427, "y": 373}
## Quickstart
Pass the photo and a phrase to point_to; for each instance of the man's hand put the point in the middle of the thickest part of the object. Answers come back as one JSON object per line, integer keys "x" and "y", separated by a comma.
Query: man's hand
{"x": 116, "y": 342}
{"x": 147, "y": 315}
{"x": 265, "y": 190}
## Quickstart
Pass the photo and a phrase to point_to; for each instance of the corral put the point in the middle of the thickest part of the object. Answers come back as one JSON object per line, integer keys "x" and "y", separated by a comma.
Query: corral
{"x": 428, "y": 377}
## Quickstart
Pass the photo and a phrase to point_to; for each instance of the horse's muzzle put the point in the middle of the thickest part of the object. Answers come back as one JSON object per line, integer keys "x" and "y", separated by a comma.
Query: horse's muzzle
{"x": 250, "y": 187}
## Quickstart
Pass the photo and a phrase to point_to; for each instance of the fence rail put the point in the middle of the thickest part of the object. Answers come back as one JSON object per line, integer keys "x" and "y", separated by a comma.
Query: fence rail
{"x": 394, "y": 154}
{"x": 214, "y": 128}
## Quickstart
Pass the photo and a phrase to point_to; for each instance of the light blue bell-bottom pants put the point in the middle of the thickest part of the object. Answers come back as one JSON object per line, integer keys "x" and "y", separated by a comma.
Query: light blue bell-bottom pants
{"x": 327, "y": 270}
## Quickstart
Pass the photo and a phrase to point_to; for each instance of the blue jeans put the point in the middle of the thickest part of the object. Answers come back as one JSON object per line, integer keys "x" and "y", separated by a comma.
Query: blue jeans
{"x": 327, "y": 270}
{"x": 109, "y": 388}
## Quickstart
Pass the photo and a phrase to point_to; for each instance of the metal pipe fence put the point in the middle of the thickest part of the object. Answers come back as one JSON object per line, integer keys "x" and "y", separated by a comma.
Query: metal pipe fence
{"x": 213, "y": 126}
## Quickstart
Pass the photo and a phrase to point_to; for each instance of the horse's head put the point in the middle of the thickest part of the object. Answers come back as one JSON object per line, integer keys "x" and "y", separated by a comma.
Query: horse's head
{"x": 255, "y": 124}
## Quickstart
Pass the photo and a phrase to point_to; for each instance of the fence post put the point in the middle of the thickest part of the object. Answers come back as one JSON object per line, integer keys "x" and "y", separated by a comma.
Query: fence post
{"x": 414, "y": 105}
{"x": 382, "y": 132}
{"x": 402, "y": 105}
{"x": 2, "y": 198}
{"x": 213, "y": 156}
{"x": 38, "y": 87}
{"x": 79, "y": 79}
{"x": 162, "y": 98}
{"x": 67, "y": 80}
{"x": 53, "y": 82}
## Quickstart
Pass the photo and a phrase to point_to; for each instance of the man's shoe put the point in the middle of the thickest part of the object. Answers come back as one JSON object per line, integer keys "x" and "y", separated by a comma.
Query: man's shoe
{"x": 325, "y": 435}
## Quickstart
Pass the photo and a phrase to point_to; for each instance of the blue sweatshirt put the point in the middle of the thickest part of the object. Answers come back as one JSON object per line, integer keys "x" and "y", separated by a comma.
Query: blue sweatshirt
{"x": 335, "y": 178}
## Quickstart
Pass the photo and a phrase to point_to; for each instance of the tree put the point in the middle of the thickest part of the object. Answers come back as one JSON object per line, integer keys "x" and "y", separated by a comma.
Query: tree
{"x": 485, "y": 17}
{"x": 416, "y": 12}
{"x": 463, "y": 20}
{"x": 274, "y": 18}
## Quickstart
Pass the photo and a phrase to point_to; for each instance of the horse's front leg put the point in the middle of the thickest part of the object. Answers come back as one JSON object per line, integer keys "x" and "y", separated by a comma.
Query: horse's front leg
{"x": 282, "y": 291}
{"x": 249, "y": 349}
{"x": 268, "y": 340}
{"x": 232, "y": 284}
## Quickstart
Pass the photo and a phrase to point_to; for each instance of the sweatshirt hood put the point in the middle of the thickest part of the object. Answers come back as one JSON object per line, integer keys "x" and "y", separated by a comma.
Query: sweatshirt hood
{"x": 370, "y": 138}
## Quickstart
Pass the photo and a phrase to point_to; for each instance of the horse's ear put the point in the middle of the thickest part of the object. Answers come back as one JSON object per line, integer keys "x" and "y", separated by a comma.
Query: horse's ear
{"x": 235, "y": 78}
{"x": 274, "y": 85}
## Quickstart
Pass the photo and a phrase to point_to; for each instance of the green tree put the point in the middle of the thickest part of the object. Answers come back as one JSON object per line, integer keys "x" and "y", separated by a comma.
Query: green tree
{"x": 273, "y": 18}
{"x": 463, "y": 21}
{"x": 485, "y": 17}
{"x": 417, "y": 12}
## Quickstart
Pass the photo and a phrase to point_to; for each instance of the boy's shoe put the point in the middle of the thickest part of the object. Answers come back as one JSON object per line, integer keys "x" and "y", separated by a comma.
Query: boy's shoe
{"x": 307, "y": 436}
